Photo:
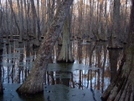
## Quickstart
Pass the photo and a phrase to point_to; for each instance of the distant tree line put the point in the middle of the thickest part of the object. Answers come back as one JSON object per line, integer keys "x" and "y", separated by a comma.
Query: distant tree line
{"x": 90, "y": 19}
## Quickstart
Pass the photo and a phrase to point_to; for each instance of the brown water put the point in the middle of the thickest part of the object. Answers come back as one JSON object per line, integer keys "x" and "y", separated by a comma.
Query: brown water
{"x": 84, "y": 80}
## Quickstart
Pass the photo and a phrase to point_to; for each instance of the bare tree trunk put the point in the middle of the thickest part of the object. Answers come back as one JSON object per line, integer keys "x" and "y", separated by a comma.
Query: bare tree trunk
{"x": 50, "y": 12}
{"x": 36, "y": 27}
{"x": 43, "y": 9}
{"x": 66, "y": 50}
{"x": 114, "y": 41}
{"x": 11, "y": 14}
{"x": 25, "y": 37}
{"x": 35, "y": 80}
{"x": 27, "y": 22}
{"x": 106, "y": 22}
{"x": 121, "y": 89}
{"x": 21, "y": 21}
{"x": 38, "y": 21}
{"x": 34, "y": 19}
{"x": 91, "y": 18}
{"x": 7, "y": 21}
{"x": 14, "y": 16}
{"x": 1, "y": 16}
{"x": 19, "y": 6}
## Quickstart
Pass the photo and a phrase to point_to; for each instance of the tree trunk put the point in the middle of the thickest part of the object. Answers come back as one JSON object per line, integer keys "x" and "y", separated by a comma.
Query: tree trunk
{"x": 36, "y": 26}
{"x": 34, "y": 19}
{"x": 14, "y": 16}
{"x": 115, "y": 41}
{"x": 35, "y": 80}
{"x": 66, "y": 50}
{"x": 21, "y": 20}
{"x": 43, "y": 10}
{"x": 121, "y": 89}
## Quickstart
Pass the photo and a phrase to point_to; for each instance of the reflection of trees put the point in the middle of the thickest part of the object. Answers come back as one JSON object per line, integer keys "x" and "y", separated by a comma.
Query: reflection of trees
{"x": 20, "y": 68}
{"x": 16, "y": 63}
{"x": 94, "y": 54}
{"x": 83, "y": 51}
{"x": 121, "y": 88}
{"x": 103, "y": 65}
{"x": 99, "y": 54}
{"x": 98, "y": 80}
{"x": 82, "y": 79}
{"x": 65, "y": 81}
{"x": 52, "y": 76}
{"x": 113, "y": 59}
{"x": 91, "y": 54}
{"x": 88, "y": 79}
{"x": 79, "y": 51}
{"x": 57, "y": 77}
{"x": 1, "y": 86}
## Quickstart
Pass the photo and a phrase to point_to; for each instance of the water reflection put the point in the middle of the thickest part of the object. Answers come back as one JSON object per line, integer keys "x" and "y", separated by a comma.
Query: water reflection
{"x": 113, "y": 58}
{"x": 16, "y": 63}
{"x": 78, "y": 76}
{"x": 90, "y": 71}
{"x": 95, "y": 54}
{"x": 1, "y": 86}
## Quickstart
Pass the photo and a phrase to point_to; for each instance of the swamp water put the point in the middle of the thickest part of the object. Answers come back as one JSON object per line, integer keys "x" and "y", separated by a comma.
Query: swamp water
{"x": 84, "y": 80}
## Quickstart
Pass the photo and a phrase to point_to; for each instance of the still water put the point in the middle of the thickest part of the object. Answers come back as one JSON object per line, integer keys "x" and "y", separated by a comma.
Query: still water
{"x": 84, "y": 80}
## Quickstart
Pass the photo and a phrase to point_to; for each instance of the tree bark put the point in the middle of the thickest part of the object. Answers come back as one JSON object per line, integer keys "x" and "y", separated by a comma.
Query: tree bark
{"x": 43, "y": 10}
{"x": 35, "y": 80}
{"x": 20, "y": 15}
{"x": 14, "y": 16}
{"x": 121, "y": 89}
{"x": 115, "y": 41}
{"x": 36, "y": 24}
{"x": 34, "y": 19}
{"x": 66, "y": 50}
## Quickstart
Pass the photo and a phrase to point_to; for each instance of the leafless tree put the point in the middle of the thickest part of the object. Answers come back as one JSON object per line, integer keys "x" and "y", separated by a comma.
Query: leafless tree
{"x": 35, "y": 80}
